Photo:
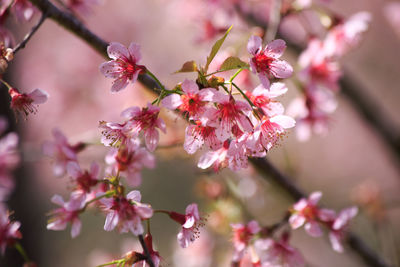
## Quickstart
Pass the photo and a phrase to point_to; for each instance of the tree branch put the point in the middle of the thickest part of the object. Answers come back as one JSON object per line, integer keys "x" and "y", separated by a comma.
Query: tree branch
{"x": 269, "y": 171}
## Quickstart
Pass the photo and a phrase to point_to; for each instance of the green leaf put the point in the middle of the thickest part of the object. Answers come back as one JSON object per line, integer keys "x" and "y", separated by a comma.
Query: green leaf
{"x": 189, "y": 66}
{"x": 232, "y": 63}
{"x": 216, "y": 47}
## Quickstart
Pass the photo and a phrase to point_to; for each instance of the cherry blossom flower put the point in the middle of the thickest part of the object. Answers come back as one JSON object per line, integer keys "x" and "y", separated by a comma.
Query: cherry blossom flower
{"x": 218, "y": 158}
{"x": 191, "y": 222}
{"x": 306, "y": 211}
{"x": 192, "y": 102}
{"x": 347, "y": 35}
{"x": 199, "y": 134}
{"x": 26, "y": 103}
{"x": 126, "y": 212}
{"x": 265, "y": 62}
{"x": 114, "y": 134}
{"x": 319, "y": 70}
{"x": 263, "y": 98}
{"x": 61, "y": 151}
{"x": 8, "y": 230}
{"x": 123, "y": 66}
{"x": 312, "y": 112}
{"x": 84, "y": 179}
{"x": 130, "y": 160}
{"x": 68, "y": 213}
{"x": 230, "y": 113}
{"x": 278, "y": 253}
{"x": 242, "y": 235}
{"x": 270, "y": 130}
{"x": 145, "y": 120}
{"x": 339, "y": 227}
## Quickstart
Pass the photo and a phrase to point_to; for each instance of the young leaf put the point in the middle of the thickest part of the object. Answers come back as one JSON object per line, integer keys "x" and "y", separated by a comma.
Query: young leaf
{"x": 216, "y": 47}
{"x": 189, "y": 66}
{"x": 232, "y": 63}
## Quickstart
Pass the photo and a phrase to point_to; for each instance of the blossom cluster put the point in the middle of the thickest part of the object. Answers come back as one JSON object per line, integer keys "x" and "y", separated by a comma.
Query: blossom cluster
{"x": 306, "y": 212}
{"x": 320, "y": 73}
{"x": 271, "y": 249}
{"x": 231, "y": 129}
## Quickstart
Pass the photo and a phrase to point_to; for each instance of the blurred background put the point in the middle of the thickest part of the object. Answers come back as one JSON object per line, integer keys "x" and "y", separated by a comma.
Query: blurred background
{"x": 351, "y": 164}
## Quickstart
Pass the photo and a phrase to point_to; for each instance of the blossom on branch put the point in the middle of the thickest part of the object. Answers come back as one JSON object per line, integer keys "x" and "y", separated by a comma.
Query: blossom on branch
{"x": 27, "y": 103}
{"x": 126, "y": 212}
{"x": 68, "y": 213}
{"x": 265, "y": 62}
{"x": 191, "y": 222}
{"x": 123, "y": 67}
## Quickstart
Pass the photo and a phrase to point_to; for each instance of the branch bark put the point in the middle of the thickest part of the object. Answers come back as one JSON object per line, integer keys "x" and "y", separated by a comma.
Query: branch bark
{"x": 269, "y": 171}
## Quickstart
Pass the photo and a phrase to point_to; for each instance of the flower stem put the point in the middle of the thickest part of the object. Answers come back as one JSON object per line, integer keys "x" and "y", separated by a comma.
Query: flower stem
{"x": 111, "y": 263}
{"x": 234, "y": 75}
{"x": 21, "y": 251}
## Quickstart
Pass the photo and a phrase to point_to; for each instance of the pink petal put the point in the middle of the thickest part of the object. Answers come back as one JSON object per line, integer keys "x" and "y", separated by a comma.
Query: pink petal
{"x": 313, "y": 229}
{"x": 277, "y": 89}
{"x": 314, "y": 197}
{"x": 151, "y": 137}
{"x": 76, "y": 228}
{"x": 144, "y": 210}
{"x": 57, "y": 199}
{"x": 192, "y": 143}
{"x": 296, "y": 221}
{"x": 285, "y": 122}
{"x": 190, "y": 87}
{"x": 116, "y": 50}
{"x": 207, "y": 94}
{"x": 110, "y": 69}
{"x": 134, "y": 196}
{"x": 254, "y": 44}
{"x": 281, "y": 69}
{"x": 73, "y": 169}
{"x": 276, "y": 48}
{"x": 207, "y": 159}
{"x": 335, "y": 241}
{"x": 134, "y": 50}
{"x": 38, "y": 96}
{"x": 264, "y": 80}
{"x": 119, "y": 84}
{"x": 193, "y": 210}
{"x": 253, "y": 227}
{"x": 131, "y": 112}
{"x": 111, "y": 221}
{"x": 172, "y": 101}
{"x": 57, "y": 225}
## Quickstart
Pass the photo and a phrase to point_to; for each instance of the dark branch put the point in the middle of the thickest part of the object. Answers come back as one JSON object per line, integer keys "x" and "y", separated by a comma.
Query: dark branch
{"x": 266, "y": 168}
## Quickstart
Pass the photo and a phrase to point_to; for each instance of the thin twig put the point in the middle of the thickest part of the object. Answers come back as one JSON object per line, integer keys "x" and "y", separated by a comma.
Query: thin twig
{"x": 268, "y": 170}
{"x": 149, "y": 260}
{"x": 27, "y": 37}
